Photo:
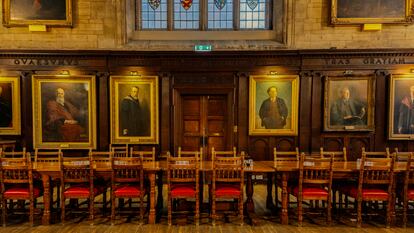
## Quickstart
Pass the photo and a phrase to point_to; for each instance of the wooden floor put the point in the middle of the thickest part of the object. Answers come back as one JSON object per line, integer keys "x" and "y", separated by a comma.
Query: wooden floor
{"x": 266, "y": 222}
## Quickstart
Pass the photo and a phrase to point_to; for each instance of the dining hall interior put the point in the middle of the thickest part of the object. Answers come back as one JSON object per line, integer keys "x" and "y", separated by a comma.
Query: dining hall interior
{"x": 207, "y": 115}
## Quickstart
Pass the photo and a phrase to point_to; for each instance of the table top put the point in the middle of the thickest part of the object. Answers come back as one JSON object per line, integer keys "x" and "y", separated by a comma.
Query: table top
{"x": 258, "y": 166}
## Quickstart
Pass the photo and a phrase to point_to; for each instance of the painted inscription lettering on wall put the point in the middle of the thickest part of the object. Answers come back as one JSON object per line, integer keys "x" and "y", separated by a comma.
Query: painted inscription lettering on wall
{"x": 46, "y": 62}
{"x": 367, "y": 61}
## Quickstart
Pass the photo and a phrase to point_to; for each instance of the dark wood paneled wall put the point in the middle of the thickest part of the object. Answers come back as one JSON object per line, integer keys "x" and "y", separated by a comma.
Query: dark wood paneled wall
{"x": 230, "y": 70}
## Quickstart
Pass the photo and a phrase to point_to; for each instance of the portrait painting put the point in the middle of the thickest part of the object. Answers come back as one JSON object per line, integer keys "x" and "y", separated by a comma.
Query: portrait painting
{"x": 134, "y": 109}
{"x": 401, "y": 107}
{"x": 10, "y": 106}
{"x": 273, "y": 104}
{"x": 349, "y": 103}
{"x": 371, "y": 11}
{"x": 43, "y": 12}
{"x": 64, "y": 111}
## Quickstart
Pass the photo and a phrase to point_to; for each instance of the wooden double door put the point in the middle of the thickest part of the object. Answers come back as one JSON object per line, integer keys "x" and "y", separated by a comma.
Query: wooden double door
{"x": 204, "y": 121}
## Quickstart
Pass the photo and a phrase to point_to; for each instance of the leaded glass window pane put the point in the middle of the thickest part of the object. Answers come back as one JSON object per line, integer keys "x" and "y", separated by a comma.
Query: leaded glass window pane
{"x": 220, "y": 14}
{"x": 154, "y": 14}
{"x": 253, "y": 14}
{"x": 186, "y": 14}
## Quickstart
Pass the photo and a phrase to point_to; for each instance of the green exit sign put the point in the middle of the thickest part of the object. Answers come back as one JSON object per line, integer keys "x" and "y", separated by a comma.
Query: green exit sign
{"x": 202, "y": 48}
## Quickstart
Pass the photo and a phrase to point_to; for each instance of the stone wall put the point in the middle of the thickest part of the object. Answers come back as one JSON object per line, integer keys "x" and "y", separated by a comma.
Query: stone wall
{"x": 97, "y": 26}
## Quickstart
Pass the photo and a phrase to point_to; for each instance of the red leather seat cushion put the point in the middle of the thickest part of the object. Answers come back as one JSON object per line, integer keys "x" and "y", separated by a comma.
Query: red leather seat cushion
{"x": 79, "y": 191}
{"x": 311, "y": 192}
{"x": 410, "y": 194}
{"x": 128, "y": 191}
{"x": 183, "y": 190}
{"x": 369, "y": 193}
{"x": 20, "y": 192}
{"x": 228, "y": 190}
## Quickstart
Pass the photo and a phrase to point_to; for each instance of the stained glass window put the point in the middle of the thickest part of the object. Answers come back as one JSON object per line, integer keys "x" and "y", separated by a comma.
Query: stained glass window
{"x": 220, "y": 14}
{"x": 253, "y": 14}
{"x": 186, "y": 14}
{"x": 154, "y": 14}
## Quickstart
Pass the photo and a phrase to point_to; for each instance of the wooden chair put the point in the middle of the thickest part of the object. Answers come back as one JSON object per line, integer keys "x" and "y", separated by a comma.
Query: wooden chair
{"x": 315, "y": 182}
{"x": 228, "y": 182}
{"x": 231, "y": 153}
{"x": 17, "y": 184}
{"x": 119, "y": 150}
{"x": 375, "y": 183}
{"x": 8, "y": 146}
{"x": 78, "y": 174}
{"x": 199, "y": 153}
{"x": 376, "y": 154}
{"x": 147, "y": 156}
{"x": 13, "y": 154}
{"x": 183, "y": 182}
{"x": 337, "y": 156}
{"x": 99, "y": 160}
{"x": 407, "y": 193}
{"x": 280, "y": 157}
{"x": 127, "y": 181}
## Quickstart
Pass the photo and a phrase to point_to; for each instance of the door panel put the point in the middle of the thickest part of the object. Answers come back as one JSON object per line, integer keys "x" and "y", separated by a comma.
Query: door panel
{"x": 204, "y": 121}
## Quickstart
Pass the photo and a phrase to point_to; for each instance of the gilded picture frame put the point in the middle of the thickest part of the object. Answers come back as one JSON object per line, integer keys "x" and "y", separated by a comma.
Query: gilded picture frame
{"x": 401, "y": 107}
{"x": 349, "y": 103}
{"x": 32, "y": 12}
{"x": 134, "y": 109}
{"x": 64, "y": 111}
{"x": 273, "y": 105}
{"x": 372, "y": 12}
{"x": 10, "y": 115}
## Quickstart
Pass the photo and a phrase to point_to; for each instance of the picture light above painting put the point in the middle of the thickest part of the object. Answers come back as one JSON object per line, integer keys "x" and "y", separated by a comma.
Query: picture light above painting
{"x": 37, "y": 12}
{"x": 372, "y": 12}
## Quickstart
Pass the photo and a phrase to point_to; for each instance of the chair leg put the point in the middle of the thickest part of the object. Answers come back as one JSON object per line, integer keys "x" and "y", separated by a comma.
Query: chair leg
{"x": 4, "y": 211}
{"x": 241, "y": 210}
{"x": 213, "y": 210}
{"x": 300, "y": 212}
{"x": 329, "y": 212}
{"x": 359, "y": 213}
{"x": 31, "y": 212}
{"x": 169, "y": 209}
{"x": 91, "y": 210}
{"x": 389, "y": 214}
{"x": 112, "y": 208}
{"x": 141, "y": 208}
{"x": 197, "y": 213}
{"x": 405, "y": 207}
{"x": 104, "y": 203}
{"x": 62, "y": 206}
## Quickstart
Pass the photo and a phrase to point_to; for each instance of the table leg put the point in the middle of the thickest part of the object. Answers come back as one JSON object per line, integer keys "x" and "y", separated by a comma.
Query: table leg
{"x": 269, "y": 198}
{"x": 151, "y": 217}
{"x": 249, "y": 193}
{"x": 46, "y": 199}
{"x": 160, "y": 201}
{"x": 285, "y": 198}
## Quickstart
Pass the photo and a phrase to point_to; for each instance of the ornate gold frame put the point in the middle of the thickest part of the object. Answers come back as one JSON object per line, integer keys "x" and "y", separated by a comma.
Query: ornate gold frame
{"x": 8, "y": 21}
{"x": 16, "y": 114}
{"x": 408, "y": 19}
{"x": 391, "y": 134}
{"x": 293, "y": 130}
{"x": 370, "y": 105}
{"x": 37, "y": 110}
{"x": 114, "y": 108}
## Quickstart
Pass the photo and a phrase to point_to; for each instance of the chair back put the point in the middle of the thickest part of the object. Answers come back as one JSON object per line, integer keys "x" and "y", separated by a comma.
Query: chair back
{"x": 13, "y": 154}
{"x": 127, "y": 170}
{"x": 376, "y": 171}
{"x": 285, "y": 156}
{"x": 8, "y": 147}
{"x": 228, "y": 169}
{"x": 409, "y": 172}
{"x": 76, "y": 170}
{"x": 101, "y": 159}
{"x": 199, "y": 153}
{"x": 401, "y": 156}
{"x": 232, "y": 153}
{"x": 16, "y": 171}
{"x": 119, "y": 150}
{"x": 337, "y": 156}
{"x": 183, "y": 169}
{"x": 376, "y": 154}
{"x": 147, "y": 156}
{"x": 46, "y": 158}
{"x": 316, "y": 171}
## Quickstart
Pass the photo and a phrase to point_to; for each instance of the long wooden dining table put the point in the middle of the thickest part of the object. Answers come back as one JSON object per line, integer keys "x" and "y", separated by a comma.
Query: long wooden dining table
{"x": 341, "y": 170}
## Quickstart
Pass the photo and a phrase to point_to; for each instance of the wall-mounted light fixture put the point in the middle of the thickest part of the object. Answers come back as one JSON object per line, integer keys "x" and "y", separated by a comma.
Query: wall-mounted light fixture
{"x": 134, "y": 73}
{"x": 412, "y": 70}
{"x": 348, "y": 72}
{"x": 273, "y": 73}
{"x": 64, "y": 72}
